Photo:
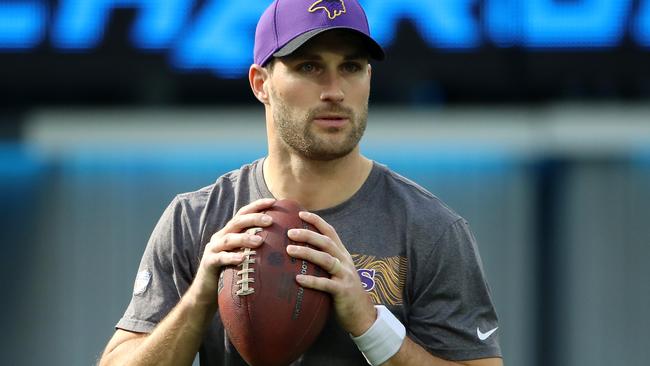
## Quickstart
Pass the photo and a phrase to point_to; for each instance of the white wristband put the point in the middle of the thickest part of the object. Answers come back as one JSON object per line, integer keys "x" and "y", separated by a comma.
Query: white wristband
{"x": 383, "y": 339}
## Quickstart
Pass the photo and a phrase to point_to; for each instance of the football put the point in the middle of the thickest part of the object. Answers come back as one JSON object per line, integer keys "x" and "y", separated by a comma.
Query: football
{"x": 268, "y": 317}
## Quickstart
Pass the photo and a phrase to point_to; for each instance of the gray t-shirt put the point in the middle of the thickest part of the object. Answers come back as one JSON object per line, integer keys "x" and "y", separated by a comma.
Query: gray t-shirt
{"x": 413, "y": 254}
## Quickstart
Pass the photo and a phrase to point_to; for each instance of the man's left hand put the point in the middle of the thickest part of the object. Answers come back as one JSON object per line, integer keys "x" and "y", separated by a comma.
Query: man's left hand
{"x": 353, "y": 306}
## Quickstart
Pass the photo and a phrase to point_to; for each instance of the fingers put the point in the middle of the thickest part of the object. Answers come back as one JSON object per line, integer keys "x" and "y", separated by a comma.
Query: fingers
{"x": 318, "y": 222}
{"x": 221, "y": 259}
{"x": 317, "y": 283}
{"x": 336, "y": 267}
{"x": 352, "y": 303}
{"x": 319, "y": 241}
{"x": 324, "y": 260}
{"x": 231, "y": 236}
{"x": 245, "y": 221}
{"x": 233, "y": 241}
{"x": 247, "y": 217}
{"x": 223, "y": 248}
{"x": 328, "y": 252}
{"x": 250, "y": 216}
{"x": 206, "y": 283}
{"x": 224, "y": 252}
{"x": 256, "y": 206}
{"x": 322, "y": 226}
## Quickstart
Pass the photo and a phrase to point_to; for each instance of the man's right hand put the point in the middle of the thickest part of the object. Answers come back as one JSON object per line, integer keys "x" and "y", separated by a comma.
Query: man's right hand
{"x": 221, "y": 250}
{"x": 177, "y": 338}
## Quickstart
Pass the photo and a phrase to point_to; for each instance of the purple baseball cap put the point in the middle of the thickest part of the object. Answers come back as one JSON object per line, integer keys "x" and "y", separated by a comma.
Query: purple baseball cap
{"x": 288, "y": 24}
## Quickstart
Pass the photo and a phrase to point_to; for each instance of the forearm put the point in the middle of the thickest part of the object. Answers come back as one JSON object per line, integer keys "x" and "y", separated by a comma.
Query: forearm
{"x": 175, "y": 341}
{"x": 412, "y": 353}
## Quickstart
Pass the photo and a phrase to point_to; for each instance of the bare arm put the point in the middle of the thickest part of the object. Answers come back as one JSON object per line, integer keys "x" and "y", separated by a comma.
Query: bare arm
{"x": 412, "y": 353}
{"x": 176, "y": 340}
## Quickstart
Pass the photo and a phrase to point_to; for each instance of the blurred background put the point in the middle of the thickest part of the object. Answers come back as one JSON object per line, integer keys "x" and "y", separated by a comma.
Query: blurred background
{"x": 528, "y": 117}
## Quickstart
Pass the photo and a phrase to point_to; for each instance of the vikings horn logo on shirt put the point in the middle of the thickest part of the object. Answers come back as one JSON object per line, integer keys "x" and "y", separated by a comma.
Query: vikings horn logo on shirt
{"x": 333, "y": 8}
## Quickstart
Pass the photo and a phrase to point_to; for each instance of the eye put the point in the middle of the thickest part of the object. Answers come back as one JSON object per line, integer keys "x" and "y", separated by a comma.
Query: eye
{"x": 352, "y": 67}
{"x": 308, "y": 67}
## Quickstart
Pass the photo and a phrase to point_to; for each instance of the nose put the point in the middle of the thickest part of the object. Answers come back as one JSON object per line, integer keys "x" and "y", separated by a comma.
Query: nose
{"x": 332, "y": 90}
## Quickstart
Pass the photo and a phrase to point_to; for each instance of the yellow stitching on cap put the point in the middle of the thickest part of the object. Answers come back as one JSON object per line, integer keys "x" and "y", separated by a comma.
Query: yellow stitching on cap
{"x": 314, "y": 8}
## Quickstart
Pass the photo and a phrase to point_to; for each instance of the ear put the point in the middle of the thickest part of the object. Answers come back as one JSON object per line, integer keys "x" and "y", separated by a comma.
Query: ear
{"x": 257, "y": 77}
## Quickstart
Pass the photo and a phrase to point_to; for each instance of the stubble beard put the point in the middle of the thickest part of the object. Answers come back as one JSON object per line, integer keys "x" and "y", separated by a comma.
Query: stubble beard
{"x": 299, "y": 133}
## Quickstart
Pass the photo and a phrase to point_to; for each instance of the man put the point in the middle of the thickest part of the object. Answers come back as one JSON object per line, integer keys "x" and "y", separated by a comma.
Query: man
{"x": 406, "y": 278}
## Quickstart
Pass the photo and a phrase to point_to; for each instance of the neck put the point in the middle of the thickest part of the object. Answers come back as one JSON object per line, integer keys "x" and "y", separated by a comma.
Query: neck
{"x": 316, "y": 185}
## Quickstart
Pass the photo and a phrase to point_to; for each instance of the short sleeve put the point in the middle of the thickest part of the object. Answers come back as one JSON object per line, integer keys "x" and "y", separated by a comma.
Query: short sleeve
{"x": 165, "y": 271}
{"x": 452, "y": 314}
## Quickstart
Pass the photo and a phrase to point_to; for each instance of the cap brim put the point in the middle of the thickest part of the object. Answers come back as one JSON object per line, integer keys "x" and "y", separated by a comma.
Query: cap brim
{"x": 375, "y": 50}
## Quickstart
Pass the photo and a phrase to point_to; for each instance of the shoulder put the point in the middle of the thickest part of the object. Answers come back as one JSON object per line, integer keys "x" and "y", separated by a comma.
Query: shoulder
{"x": 208, "y": 209}
{"x": 422, "y": 207}
{"x": 222, "y": 189}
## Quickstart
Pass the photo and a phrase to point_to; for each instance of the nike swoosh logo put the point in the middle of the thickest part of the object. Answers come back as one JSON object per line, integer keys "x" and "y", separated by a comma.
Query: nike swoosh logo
{"x": 483, "y": 336}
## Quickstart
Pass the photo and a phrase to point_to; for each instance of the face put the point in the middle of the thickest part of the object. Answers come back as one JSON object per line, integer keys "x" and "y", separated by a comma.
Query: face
{"x": 319, "y": 96}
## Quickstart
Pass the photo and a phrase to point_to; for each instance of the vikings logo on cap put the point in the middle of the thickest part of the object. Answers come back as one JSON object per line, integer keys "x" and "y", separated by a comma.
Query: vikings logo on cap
{"x": 333, "y": 8}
